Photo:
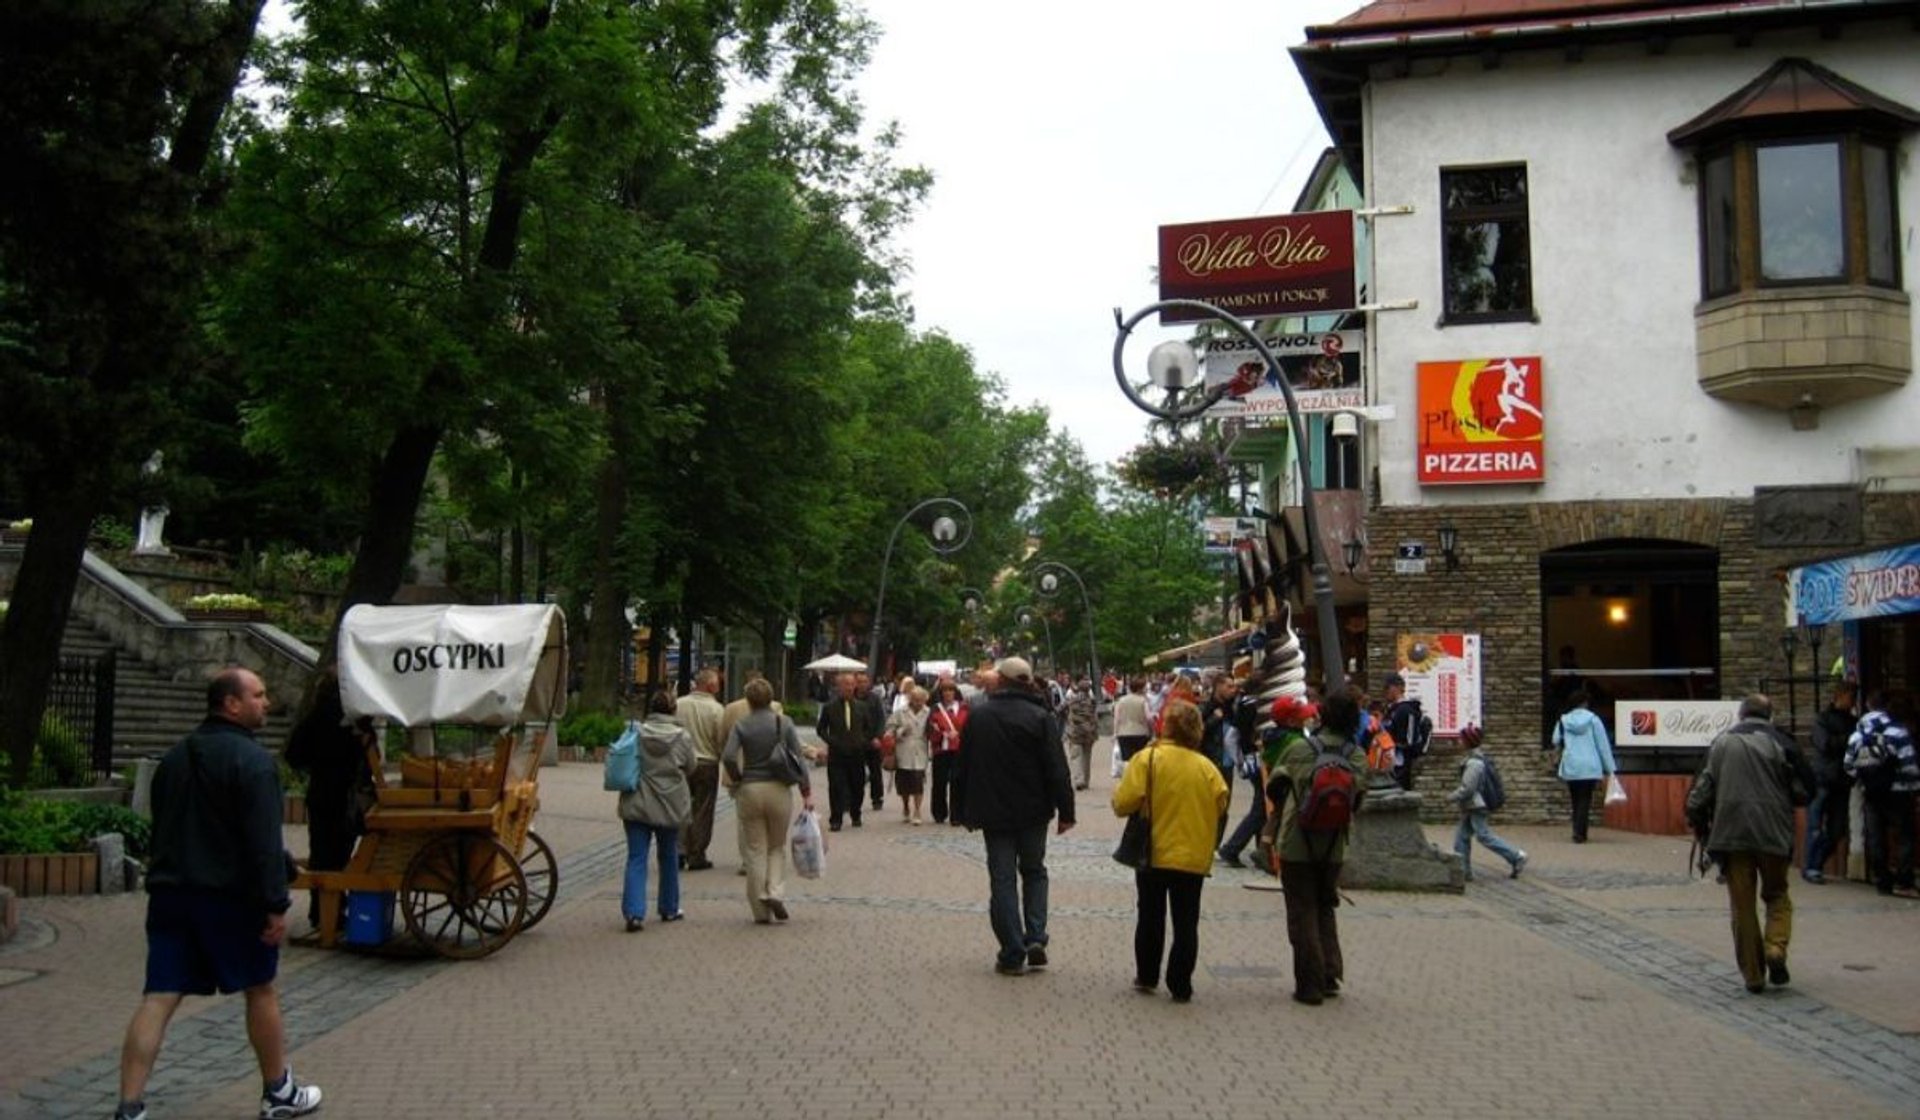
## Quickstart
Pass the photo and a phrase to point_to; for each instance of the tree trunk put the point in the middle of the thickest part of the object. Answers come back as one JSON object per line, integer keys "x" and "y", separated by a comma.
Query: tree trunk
{"x": 42, "y": 598}
{"x": 386, "y": 532}
{"x": 607, "y": 630}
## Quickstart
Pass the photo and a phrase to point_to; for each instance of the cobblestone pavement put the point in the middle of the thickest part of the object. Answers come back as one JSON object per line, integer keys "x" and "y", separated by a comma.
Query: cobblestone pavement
{"x": 1599, "y": 984}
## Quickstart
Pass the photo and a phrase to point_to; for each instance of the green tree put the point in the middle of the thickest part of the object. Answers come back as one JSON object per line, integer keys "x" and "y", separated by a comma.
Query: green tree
{"x": 109, "y": 129}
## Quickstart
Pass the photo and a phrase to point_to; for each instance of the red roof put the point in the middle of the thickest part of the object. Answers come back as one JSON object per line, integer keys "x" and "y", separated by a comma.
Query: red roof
{"x": 1462, "y": 15}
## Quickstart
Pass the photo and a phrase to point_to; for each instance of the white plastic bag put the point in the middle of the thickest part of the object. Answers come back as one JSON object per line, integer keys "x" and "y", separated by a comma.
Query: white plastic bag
{"x": 1119, "y": 767}
{"x": 1616, "y": 793}
{"x": 807, "y": 847}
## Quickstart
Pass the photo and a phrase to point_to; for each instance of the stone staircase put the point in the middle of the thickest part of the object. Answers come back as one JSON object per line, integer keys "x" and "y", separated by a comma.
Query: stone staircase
{"x": 151, "y": 710}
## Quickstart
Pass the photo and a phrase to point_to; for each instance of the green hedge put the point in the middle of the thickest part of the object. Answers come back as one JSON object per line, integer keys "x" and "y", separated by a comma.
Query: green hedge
{"x": 29, "y": 826}
{"x": 588, "y": 728}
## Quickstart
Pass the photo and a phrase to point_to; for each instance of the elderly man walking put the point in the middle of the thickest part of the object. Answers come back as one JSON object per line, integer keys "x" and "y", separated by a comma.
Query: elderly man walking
{"x": 701, "y": 713}
{"x": 1744, "y": 798}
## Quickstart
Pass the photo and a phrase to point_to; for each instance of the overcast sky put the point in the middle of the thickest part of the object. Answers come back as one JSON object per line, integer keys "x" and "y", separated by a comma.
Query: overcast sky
{"x": 1061, "y": 135}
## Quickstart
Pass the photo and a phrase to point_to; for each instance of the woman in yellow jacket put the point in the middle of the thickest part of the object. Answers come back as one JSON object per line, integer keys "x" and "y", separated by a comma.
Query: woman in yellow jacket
{"x": 1189, "y": 804}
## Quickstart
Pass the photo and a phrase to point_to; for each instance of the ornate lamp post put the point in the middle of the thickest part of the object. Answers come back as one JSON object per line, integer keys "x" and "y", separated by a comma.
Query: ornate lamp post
{"x": 1047, "y": 575}
{"x": 1174, "y": 371}
{"x": 1026, "y": 617}
{"x": 947, "y": 535}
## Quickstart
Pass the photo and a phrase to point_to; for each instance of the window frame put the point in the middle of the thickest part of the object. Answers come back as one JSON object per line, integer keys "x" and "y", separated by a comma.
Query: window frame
{"x": 1744, "y": 150}
{"x": 1475, "y": 215}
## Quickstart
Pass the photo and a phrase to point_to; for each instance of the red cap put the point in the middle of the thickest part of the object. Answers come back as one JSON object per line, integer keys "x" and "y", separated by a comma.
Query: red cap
{"x": 1470, "y": 737}
{"x": 1292, "y": 711}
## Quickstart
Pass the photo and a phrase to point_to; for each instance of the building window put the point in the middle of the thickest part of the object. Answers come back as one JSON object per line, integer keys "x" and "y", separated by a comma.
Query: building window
{"x": 1485, "y": 257}
{"x": 1778, "y": 213}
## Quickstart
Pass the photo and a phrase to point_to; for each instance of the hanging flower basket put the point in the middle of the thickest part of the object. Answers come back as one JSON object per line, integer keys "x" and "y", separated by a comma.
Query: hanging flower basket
{"x": 1169, "y": 469}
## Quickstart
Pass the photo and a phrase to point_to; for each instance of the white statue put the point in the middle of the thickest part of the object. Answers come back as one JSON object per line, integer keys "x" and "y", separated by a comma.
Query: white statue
{"x": 150, "y": 539}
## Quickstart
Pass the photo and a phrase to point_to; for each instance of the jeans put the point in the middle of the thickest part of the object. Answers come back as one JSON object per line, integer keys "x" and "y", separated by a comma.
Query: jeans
{"x": 846, "y": 782}
{"x": 1827, "y": 820}
{"x": 1018, "y": 910}
{"x": 633, "y": 895}
{"x": 1753, "y": 947}
{"x": 1889, "y": 839}
{"x": 1581, "y": 791}
{"x": 1160, "y": 891}
{"x": 1250, "y": 825}
{"x": 1474, "y": 826}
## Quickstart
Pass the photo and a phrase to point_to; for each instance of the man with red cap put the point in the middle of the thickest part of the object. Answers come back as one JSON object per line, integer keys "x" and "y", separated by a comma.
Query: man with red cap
{"x": 1290, "y": 716}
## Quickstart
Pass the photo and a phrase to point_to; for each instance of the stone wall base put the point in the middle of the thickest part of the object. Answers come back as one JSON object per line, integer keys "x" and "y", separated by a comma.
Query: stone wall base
{"x": 1388, "y": 850}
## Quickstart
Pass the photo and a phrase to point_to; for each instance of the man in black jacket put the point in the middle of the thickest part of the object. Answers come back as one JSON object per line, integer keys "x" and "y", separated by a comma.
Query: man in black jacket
{"x": 1827, "y": 815}
{"x": 848, "y": 725}
{"x": 1010, "y": 780}
{"x": 217, "y": 893}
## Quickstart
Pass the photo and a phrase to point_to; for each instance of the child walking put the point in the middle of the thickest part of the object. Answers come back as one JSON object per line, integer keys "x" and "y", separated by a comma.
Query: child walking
{"x": 1470, "y": 795}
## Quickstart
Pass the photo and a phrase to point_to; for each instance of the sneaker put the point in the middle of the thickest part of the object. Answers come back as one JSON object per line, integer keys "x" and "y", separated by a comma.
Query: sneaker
{"x": 1036, "y": 956}
{"x": 856, "y": 822}
{"x": 139, "y": 1112}
{"x": 1815, "y": 876}
{"x": 1777, "y": 972}
{"x": 777, "y": 908}
{"x": 698, "y": 864}
{"x": 635, "y": 925}
{"x": 1145, "y": 988}
{"x": 1017, "y": 968}
{"x": 1519, "y": 865}
{"x": 1228, "y": 858}
{"x": 677, "y": 915}
{"x": 290, "y": 1099}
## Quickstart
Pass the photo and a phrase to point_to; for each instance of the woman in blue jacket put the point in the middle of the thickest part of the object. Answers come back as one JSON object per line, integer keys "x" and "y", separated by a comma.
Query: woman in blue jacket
{"x": 1586, "y": 757}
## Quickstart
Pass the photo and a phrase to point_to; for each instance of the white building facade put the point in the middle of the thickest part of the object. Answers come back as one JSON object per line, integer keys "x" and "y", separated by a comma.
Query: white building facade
{"x": 1686, "y": 233}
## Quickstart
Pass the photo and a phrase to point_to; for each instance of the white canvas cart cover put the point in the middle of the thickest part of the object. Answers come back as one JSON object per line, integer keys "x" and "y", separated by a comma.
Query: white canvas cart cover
{"x": 486, "y": 666}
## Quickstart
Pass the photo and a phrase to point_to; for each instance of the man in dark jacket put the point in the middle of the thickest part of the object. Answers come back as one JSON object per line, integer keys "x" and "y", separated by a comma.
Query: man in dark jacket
{"x": 848, "y": 725}
{"x": 1747, "y": 788}
{"x": 1827, "y": 815}
{"x": 1010, "y": 780}
{"x": 217, "y": 893}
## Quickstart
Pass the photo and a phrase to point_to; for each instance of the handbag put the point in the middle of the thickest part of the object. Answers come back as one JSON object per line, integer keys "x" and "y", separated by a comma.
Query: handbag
{"x": 797, "y": 772}
{"x": 1135, "y": 849}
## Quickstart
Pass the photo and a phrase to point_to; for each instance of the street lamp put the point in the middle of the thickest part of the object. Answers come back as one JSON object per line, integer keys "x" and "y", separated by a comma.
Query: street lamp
{"x": 1788, "y": 642}
{"x": 946, "y": 535}
{"x": 1174, "y": 370}
{"x": 1048, "y": 573}
{"x": 1026, "y": 617}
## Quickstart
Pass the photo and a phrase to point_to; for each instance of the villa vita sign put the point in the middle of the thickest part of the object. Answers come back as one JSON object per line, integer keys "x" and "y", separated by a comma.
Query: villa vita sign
{"x": 1284, "y": 264}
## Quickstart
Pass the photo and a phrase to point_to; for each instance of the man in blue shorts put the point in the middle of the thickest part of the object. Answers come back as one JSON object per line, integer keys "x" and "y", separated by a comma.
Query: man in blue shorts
{"x": 217, "y": 893}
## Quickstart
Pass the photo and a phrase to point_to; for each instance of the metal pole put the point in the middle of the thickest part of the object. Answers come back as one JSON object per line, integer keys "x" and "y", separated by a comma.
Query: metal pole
{"x": 1086, "y": 607}
{"x": 1325, "y": 618}
{"x": 886, "y": 559}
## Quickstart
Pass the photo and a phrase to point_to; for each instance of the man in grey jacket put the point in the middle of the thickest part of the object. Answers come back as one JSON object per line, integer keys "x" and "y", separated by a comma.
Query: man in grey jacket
{"x": 1745, "y": 796}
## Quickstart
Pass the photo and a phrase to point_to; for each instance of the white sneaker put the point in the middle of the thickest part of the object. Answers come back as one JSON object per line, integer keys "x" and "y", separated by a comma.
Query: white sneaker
{"x": 293, "y": 1099}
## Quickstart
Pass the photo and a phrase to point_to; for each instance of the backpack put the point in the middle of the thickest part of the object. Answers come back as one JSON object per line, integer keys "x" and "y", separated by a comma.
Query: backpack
{"x": 1383, "y": 754}
{"x": 1493, "y": 791}
{"x": 1875, "y": 767}
{"x": 1411, "y": 727}
{"x": 622, "y": 772}
{"x": 1332, "y": 794}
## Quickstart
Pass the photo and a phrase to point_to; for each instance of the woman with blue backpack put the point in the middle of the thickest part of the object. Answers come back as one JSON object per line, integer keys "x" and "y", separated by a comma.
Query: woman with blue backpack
{"x": 1586, "y": 757}
{"x": 655, "y": 810}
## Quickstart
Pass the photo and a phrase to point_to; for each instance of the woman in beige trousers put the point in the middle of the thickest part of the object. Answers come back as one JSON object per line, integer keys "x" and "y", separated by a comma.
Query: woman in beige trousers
{"x": 763, "y": 762}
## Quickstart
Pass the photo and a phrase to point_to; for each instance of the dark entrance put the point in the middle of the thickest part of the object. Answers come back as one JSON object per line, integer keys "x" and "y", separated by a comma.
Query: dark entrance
{"x": 1629, "y": 619}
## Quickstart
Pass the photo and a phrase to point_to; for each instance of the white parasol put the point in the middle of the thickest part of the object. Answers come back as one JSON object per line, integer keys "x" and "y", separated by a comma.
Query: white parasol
{"x": 836, "y": 663}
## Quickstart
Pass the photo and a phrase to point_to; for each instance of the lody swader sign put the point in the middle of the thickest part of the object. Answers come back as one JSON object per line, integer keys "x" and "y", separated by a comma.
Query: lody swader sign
{"x": 1285, "y": 264}
{"x": 1870, "y": 585}
{"x": 1481, "y": 421}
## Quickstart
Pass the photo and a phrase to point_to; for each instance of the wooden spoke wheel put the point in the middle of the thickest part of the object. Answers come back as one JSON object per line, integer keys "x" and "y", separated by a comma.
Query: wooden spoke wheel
{"x": 543, "y": 878}
{"x": 464, "y": 895}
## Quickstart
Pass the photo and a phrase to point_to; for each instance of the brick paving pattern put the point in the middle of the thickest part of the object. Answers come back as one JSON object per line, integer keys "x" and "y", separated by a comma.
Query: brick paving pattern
{"x": 1600, "y": 984}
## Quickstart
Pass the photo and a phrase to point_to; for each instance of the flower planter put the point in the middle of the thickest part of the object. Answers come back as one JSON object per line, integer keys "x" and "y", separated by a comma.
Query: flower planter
{"x": 229, "y": 615}
{"x": 59, "y": 873}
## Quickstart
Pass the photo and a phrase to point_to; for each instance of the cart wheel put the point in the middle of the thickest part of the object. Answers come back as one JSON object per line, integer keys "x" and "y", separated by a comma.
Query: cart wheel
{"x": 464, "y": 895}
{"x": 543, "y": 878}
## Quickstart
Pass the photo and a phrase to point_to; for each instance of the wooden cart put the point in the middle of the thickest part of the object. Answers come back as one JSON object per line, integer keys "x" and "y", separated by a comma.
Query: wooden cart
{"x": 453, "y": 843}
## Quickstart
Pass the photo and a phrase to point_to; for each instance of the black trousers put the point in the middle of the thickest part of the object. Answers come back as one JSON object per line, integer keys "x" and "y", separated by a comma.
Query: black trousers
{"x": 942, "y": 782}
{"x": 876, "y": 777}
{"x": 1162, "y": 891}
{"x": 846, "y": 785}
{"x": 1581, "y": 791}
{"x": 331, "y": 831}
{"x": 1131, "y": 744}
{"x": 1889, "y": 839}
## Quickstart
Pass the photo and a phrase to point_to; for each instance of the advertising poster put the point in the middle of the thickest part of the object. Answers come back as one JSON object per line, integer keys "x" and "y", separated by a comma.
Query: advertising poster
{"x": 1221, "y": 532}
{"x": 1323, "y": 369}
{"x": 1282, "y": 264}
{"x": 1480, "y": 421}
{"x": 1870, "y": 585}
{"x": 1672, "y": 723}
{"x": 1443, "y": 673}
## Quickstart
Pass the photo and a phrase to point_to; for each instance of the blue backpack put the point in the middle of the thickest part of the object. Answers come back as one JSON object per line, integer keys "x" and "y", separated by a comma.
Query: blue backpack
{"x": 622, "y": 774}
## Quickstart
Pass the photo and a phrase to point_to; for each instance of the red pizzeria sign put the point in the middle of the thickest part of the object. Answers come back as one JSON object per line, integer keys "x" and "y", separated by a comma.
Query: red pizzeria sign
{"x": 1286, "y": 264}
{"x": 1482, "y": 421}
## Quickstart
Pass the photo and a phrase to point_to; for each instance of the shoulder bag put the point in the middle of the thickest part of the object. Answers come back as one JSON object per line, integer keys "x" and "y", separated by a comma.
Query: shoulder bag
{"x": 1136, "y": 838}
